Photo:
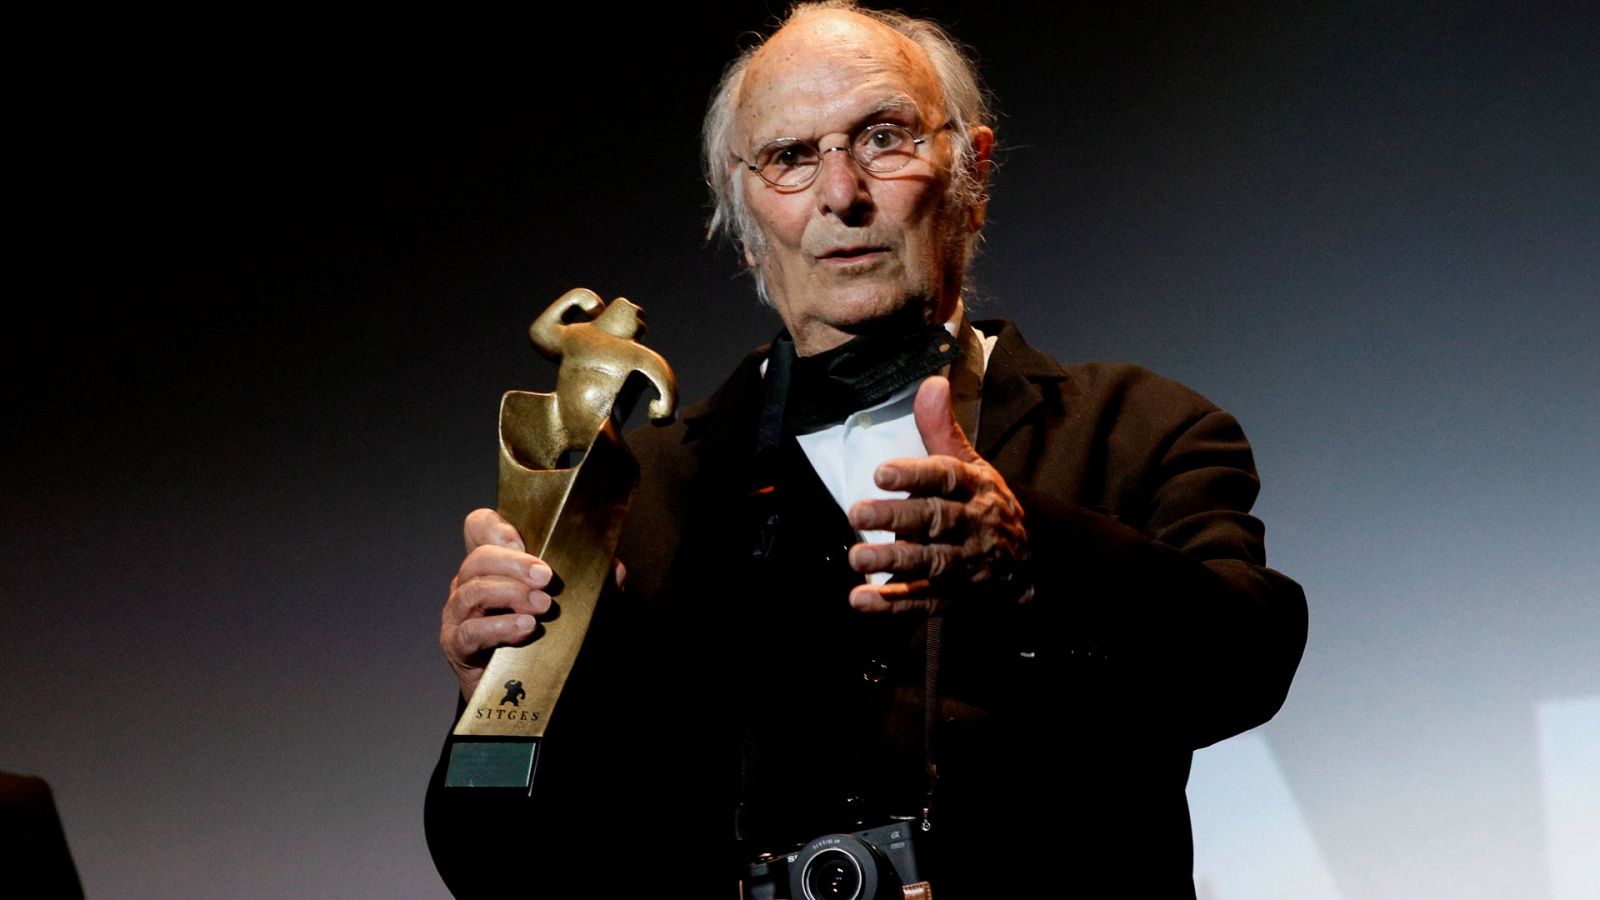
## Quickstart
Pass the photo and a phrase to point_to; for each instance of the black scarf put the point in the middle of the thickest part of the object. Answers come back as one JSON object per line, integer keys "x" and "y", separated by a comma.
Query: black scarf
{"x": 808, "y": 393}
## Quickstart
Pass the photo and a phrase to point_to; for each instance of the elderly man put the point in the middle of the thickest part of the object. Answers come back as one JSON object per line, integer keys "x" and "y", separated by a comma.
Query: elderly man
{"x": 1081, "y": 592}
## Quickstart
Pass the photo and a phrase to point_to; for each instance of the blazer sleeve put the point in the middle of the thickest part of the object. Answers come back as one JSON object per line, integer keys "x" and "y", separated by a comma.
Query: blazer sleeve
{"x": 1157, "y": 587}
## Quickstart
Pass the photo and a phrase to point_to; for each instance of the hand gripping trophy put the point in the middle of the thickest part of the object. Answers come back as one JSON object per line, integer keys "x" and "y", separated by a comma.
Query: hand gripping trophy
{"x": 565, "y": 482}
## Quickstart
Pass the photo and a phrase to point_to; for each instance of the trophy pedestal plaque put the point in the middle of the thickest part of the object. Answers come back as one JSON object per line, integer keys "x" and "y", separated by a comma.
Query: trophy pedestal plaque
{"x": 570, "y": 515}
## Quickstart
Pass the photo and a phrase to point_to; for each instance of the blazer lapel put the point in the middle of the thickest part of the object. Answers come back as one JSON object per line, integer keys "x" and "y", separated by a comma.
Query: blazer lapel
{"x": 1011, "y": 386}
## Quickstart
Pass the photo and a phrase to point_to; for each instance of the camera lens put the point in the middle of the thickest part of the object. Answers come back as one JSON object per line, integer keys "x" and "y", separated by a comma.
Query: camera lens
{"x": 833, "y": 875}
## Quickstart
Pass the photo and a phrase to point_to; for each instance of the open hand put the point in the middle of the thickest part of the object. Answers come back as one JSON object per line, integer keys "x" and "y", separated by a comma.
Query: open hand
{"x": 960, "y": 533}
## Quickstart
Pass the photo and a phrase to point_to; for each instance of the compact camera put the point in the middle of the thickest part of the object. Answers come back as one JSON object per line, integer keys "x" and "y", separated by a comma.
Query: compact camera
{"x": 875, "y": 864}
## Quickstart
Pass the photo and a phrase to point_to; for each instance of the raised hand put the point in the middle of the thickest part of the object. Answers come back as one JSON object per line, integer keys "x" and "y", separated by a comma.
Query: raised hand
{"x": 960, "y": 532}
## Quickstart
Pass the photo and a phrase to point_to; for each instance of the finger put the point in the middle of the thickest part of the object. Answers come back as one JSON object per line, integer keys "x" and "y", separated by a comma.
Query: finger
{"x": 915, "y": 518}
{"x": 895, "y": 597}
{"x": 474, "y": 638}
{"x": 924, "y": 475}
{"x": 619, "y": 572}
{"x": 904, "y": 558}
{"x": 490, "y": 560}
{"x": 936, "y": 421}
{"x": 479, "y": 597}
{"x": 485, "y": 526}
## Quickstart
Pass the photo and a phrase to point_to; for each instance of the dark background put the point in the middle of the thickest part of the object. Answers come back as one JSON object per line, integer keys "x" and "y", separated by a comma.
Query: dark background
{"x": 274, "y": 282}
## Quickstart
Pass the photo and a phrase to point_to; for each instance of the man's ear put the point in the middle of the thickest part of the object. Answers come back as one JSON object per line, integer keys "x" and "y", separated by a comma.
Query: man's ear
{"x": 749, "y": 258}
{"x": 982, "y": 148}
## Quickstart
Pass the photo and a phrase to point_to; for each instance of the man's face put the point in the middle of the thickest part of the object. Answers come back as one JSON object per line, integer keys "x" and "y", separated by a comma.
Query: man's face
{"x": 851, "y": 250}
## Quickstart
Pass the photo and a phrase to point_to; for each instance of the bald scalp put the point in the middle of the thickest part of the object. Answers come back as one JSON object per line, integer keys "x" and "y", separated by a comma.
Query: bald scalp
{"x": 840, "y": 34}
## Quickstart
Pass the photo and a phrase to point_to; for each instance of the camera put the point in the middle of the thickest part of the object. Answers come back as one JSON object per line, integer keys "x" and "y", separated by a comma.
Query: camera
{"x": 875, "y": 864}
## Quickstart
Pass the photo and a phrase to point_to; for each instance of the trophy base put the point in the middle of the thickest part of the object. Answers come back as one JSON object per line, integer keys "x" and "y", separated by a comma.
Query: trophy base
{"x": 492, "y": 764}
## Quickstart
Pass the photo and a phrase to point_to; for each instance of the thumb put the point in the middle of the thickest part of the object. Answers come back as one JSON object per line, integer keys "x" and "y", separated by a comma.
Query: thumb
{"x": 936, "y": 421}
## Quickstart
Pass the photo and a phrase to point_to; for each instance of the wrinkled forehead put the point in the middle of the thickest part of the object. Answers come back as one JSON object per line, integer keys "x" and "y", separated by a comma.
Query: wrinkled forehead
{"x": 832, "y": 71}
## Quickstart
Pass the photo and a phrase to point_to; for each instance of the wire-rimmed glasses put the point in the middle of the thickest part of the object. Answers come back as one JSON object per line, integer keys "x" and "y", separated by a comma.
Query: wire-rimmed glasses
{"x": 880, "y": 148}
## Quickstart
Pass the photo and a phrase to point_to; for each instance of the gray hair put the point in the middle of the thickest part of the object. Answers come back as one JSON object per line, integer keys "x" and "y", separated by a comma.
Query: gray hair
{"x": 966, "y": 106}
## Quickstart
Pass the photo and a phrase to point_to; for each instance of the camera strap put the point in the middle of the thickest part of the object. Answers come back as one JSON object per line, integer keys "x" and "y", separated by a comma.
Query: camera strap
{"x": 932, "y": 637}
{"x": 799, "y": 394}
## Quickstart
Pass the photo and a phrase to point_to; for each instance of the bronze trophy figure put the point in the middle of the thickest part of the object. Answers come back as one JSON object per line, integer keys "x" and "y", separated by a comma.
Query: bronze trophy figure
{"x": 565, "y": 482}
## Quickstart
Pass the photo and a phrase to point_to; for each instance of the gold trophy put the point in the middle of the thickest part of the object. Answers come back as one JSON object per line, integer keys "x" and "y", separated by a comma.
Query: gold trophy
{"x": 565, "y": 482}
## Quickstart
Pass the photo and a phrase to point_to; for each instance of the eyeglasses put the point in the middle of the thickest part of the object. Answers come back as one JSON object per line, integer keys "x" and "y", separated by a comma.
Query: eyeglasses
{"x": 879, "y": 149}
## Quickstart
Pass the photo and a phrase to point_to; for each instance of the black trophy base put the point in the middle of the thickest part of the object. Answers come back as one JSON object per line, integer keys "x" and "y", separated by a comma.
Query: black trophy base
{"x": 490, "y": 763}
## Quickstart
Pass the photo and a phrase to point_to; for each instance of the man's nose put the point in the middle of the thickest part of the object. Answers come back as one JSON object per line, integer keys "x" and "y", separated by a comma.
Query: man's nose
{"x": 842, "y": 187}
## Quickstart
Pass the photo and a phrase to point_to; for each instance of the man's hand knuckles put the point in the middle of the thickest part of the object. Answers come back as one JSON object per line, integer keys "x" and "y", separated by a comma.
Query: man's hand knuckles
{"x": 917, "y": 477}
{"x": 474, "y": 638}
{"x": 960, "y": 527}
{"x": 470, "y": 597}
{"x": 935, "y": 515}
{"x": 494, "y": 592}
{"x": 458, "y": 643}
{"x": 931, "y": 476}
{"x": 458, "y": 606}
{"x": 949, "y": 474}
{"x": 469, "y": 640}
{"x": 906, "y": 517}
{"x": 941, "y": 559}
{"x": 480, "y": 560}
{"x": 905, "y": 556}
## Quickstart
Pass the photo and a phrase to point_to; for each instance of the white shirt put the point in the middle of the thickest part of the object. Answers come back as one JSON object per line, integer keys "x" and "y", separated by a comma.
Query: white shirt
{"x": 845, "y": 455}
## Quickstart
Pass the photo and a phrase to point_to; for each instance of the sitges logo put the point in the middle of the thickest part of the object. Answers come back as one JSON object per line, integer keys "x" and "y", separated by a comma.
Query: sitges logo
{"x": 508, "y": 715}
{"x": 515, "y": 693}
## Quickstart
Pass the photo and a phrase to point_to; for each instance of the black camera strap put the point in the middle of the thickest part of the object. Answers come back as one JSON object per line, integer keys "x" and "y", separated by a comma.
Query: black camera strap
{"x": 932, "y": 637}
{"x": 791, "y": 388}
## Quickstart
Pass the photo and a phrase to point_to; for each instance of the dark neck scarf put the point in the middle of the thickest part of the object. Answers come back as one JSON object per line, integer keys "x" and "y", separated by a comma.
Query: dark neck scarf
{"x": 822, "y": 390}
